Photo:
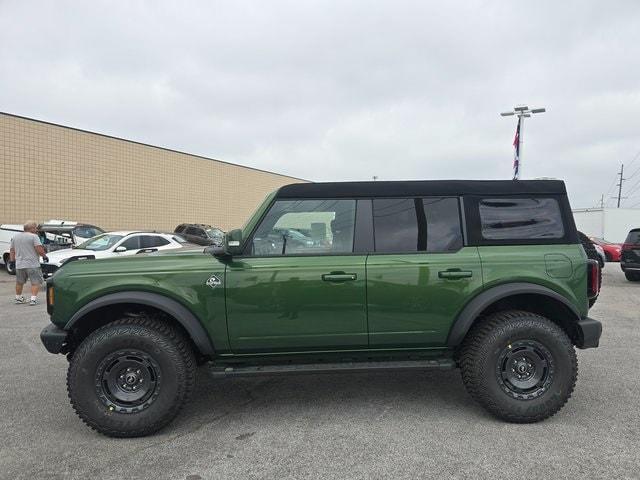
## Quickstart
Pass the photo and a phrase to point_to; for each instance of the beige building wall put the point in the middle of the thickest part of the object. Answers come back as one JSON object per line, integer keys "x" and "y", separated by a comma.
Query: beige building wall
{"x": 56, "y": 172}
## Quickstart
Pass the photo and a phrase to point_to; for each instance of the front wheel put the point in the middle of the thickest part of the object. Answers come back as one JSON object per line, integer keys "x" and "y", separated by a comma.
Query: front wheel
{"x": 131, "y": 377}
{"x": 519, "y": 366}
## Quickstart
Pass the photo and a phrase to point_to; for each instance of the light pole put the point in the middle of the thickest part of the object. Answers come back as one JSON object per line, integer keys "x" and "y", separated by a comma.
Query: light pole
{"x": 522, "y": 112}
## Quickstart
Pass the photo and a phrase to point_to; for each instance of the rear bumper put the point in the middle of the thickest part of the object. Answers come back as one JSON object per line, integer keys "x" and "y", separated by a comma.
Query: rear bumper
{"x": 54, "y": 339}
{"x": 589, "y": 331}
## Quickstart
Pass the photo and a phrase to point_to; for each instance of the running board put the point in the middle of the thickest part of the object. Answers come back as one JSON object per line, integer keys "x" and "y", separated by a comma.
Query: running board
{"x": 347, "y": 367}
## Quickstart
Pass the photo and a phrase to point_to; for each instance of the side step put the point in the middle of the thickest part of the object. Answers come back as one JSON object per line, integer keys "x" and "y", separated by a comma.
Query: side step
{"x": 346, "y": 367}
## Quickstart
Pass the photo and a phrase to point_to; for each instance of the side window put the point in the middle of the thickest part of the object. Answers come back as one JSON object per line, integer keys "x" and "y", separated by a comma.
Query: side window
{"x": 444, "y": 233}
{"x": 191, "y": 231}
{"x": 520, "y": 218}
{"x": 179, "y": 229}
{"x": 294, "y": 227}
{"x": 417, "y": 225}
{"x": 131, "y": 243}
{"x": 395, "y": 223}
{"x": 151, "y": 241}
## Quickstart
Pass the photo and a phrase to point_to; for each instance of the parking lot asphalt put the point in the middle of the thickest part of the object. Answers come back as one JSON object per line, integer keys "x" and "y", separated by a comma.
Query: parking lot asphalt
{"x": 342, "y": 426}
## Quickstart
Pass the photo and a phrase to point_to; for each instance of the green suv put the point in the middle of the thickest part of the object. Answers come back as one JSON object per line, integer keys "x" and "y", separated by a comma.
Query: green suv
{"x": 485, "y": 276}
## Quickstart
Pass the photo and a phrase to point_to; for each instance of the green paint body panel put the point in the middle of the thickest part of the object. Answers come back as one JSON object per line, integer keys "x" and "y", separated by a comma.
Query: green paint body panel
{"x": 544, "y": 265}
{"x": 178, "y": 276}
{"x": 283, "y": 303}
{"x": 410, "y": 305}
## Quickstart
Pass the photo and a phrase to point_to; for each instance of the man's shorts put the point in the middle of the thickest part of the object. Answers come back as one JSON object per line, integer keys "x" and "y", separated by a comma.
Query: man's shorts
{"x": 33, "y": 274}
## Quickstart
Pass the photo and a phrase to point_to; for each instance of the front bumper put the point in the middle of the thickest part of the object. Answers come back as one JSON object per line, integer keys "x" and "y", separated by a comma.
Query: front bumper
{"x": 589, "y": 331}
{"x": 48, "y": 269}
{"x": 54, "y": 339}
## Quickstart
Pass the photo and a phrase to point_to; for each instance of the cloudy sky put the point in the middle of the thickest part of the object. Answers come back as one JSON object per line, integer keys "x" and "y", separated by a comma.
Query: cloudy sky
{"x": 343, "y": 90}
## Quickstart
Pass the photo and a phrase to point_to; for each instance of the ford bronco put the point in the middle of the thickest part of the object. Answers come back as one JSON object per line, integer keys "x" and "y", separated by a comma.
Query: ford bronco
{"x": 485, "y": 276}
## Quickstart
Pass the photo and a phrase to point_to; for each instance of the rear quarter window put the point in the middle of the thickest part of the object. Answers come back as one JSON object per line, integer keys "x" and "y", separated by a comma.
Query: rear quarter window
{"x": 520, "y": 219}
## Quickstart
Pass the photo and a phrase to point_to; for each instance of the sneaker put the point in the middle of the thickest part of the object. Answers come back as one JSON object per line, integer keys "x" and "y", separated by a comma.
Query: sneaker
{"x": 21, "y": 300}
{"x": 33, "y": 302}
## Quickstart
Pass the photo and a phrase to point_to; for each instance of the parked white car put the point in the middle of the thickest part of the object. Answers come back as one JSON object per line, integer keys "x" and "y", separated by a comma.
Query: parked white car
{"x": 55, "y": 235}
{"x": 114, "y": 244}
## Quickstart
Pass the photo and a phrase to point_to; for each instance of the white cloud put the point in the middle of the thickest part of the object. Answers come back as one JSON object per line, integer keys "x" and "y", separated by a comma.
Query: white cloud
{"x": 340, "y": 90}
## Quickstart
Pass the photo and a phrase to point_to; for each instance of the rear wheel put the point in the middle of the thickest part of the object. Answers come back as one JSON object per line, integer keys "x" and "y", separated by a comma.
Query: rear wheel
{"x": 519, "y": 366}
{"x": 632, "y": 276}
{"x": 131, "y": 377}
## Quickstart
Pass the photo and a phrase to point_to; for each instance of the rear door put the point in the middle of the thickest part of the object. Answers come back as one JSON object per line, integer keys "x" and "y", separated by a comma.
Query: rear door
{"x": 421, "y": 274}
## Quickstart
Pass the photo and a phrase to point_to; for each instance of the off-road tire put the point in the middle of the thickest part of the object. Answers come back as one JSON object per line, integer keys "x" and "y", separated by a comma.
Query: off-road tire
{"x": 482, "y": 370}
{"x": 170, "y": 366}
{"x": 632, "y": 276}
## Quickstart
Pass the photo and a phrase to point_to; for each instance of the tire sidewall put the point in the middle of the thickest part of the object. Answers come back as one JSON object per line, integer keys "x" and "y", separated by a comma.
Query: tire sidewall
{"x": 564, "y": 367}
{"x": 106, "y": 341}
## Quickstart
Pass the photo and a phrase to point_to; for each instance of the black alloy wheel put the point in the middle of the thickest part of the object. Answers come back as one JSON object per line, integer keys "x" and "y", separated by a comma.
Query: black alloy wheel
{"x": 525, "y": 369}
{"x": 128, "y": 381}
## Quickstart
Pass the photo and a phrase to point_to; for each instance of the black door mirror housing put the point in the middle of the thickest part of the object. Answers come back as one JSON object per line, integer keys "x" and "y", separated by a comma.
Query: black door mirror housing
{"x": 231, "y": 245}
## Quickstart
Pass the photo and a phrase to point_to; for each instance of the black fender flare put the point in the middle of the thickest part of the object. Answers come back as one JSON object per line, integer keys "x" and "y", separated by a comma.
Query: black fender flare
{"x": 471, "y": 311}
{"x": 171, "y": 307}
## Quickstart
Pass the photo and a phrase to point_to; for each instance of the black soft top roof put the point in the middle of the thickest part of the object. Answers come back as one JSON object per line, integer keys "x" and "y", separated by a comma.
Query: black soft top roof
{"x": 421, "y": 187}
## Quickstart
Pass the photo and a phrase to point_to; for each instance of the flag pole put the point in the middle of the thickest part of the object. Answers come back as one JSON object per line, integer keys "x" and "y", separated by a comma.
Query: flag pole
{"x": 522, "y": 112}
{"x": 520, "y": 142}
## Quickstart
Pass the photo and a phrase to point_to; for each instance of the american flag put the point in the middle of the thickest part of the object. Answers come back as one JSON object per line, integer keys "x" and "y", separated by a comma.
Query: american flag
{"x": 516, "y": 153}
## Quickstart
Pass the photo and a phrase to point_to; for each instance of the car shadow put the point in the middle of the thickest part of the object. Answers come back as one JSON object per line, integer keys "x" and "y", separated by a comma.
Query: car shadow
{"x": 427, "y": 393}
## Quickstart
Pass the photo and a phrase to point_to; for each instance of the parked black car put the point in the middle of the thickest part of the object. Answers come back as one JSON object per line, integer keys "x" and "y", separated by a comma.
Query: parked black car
{"x": 630, "y": 256}
{"x": 200, "y": 234}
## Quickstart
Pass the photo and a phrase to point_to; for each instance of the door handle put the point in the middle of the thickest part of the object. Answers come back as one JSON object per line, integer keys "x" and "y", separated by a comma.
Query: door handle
{"x": 338, "y": 277}
{"x": 454, "y": 274}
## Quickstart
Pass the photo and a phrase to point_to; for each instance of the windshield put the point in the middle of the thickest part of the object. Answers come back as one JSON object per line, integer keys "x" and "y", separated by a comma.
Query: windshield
{"x": 102, "y": 242}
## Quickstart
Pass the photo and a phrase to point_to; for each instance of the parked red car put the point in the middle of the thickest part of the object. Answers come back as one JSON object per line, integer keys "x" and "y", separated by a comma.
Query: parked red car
{"x": 611, "y": 250}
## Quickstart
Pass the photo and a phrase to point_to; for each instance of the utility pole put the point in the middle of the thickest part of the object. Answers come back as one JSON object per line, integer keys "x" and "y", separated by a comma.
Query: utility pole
{"x": 522, "y": 112}
{"x": 620, "y": 184}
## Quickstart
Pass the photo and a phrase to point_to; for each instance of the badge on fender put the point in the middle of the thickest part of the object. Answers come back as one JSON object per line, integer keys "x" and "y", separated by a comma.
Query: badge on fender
{"x": 213, "y": 281}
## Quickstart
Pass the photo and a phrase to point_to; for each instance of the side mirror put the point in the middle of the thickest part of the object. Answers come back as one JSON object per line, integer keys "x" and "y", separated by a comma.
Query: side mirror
{"x": 231, "y": 245}
{"x": 233, "y": 242}
{"x": 120, "y": 249}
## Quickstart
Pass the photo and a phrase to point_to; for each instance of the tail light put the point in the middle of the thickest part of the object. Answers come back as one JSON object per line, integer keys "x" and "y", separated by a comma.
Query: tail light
{"x": 593, "y": 278}
{"x": 629, "y": 246}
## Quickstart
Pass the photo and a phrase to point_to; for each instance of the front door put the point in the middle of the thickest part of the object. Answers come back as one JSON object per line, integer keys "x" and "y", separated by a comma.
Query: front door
{"x": 300, "y": 287}
{"x": 420, "y": 275}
